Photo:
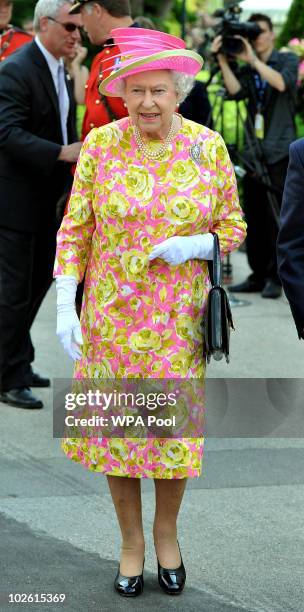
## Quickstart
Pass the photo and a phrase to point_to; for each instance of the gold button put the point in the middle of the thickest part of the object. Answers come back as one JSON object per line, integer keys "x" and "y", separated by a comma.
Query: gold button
{"x": 97, "y": 101}
{"x": 107, "y": 51}
{"x": 92, "y": 125}
{"x": 86, "y": 86}
{"x": 125, "y": 105}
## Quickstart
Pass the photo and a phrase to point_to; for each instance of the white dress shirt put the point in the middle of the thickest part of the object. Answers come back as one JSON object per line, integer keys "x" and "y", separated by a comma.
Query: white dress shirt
{"x": 64, "y": 102}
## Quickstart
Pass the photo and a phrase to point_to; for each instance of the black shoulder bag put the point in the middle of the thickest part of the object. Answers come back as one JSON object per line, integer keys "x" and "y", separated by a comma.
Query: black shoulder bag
{"x": 217, "y": 318}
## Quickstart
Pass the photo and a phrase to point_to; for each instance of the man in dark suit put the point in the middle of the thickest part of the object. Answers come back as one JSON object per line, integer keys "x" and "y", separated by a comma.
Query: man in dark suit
{"x": 37, "y": 125}
{"x": 291, "y": 235}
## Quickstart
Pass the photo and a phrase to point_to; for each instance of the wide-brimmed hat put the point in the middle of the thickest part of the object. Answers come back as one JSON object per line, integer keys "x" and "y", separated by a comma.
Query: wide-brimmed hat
{"x": 142, "y": 50}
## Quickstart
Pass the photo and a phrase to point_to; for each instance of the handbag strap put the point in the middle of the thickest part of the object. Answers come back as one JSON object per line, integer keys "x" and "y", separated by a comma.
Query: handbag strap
{"x": 215, "y": 266}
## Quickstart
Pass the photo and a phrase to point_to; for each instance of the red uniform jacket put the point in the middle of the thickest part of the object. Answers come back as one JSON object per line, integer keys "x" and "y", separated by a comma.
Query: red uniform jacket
{"x": 96, "y": 112}
{"x": 11, "y": 39}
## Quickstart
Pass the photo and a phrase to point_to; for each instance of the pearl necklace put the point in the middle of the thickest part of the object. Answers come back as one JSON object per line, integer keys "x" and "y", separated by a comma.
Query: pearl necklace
{"x": 161, "y": 150}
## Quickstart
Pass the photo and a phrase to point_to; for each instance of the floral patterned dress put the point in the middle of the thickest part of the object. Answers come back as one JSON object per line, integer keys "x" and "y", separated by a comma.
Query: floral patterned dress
{"x": 142, "y": 318}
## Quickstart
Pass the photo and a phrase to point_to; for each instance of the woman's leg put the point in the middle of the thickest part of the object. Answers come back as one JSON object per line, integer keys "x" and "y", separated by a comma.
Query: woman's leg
{"x": 169, "y": 495}
{"x": 126, "y": 496}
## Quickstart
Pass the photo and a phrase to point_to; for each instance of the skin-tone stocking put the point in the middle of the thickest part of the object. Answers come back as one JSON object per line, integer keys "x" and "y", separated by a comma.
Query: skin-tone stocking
{"x": 169, "y": 495}
{"x": 126, "y": 496}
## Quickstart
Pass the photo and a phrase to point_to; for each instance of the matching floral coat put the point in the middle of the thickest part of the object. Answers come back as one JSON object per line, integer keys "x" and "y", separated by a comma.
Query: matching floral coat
{"x": 141, "y": 318}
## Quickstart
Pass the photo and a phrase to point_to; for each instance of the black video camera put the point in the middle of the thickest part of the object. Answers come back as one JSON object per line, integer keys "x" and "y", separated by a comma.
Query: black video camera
{"x": 230, "y": 25}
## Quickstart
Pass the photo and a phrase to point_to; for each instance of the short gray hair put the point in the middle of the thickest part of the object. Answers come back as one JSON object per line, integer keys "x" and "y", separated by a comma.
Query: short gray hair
{"x": 183, "y": 84}
{"x": 47, "y": 8}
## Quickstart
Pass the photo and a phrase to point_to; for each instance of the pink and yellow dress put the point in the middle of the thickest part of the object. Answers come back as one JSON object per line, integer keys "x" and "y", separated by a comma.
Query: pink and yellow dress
{"x": 142, "y": 318}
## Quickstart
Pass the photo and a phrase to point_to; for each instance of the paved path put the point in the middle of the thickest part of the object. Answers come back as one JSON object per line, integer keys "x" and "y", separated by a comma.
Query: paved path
{"x": 241, "y": 523}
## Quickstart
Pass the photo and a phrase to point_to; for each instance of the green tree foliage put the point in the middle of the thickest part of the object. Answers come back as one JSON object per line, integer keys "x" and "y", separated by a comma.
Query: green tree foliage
{"x": 167, "y": 15}
{"x": 23, "y": 9}
{"x": 177, "y": 10}
{"x": 162, "y": 12}
{"x": 156, "y": 9}
{"x": 294, "y": 24}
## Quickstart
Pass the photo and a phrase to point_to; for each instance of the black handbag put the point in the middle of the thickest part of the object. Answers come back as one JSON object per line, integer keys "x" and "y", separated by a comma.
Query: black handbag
{"x": 217, "y": 321}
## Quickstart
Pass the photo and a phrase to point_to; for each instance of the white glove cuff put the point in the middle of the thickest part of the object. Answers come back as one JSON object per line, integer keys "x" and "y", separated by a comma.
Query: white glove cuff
{"x": 66, "y": 287}
{"x": 204, "y": 244}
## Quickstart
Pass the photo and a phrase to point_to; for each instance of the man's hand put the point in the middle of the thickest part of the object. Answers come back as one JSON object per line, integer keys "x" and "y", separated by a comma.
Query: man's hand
{"x": 231, "y": 82}
{"x": 215, "y": 49}
{"x": 247, "y": 55}
{"x": 216, "y": 44}
{"x": 273, "y": 77}
{"x": 81, "y": 54}
{"x": 70, "y": 153}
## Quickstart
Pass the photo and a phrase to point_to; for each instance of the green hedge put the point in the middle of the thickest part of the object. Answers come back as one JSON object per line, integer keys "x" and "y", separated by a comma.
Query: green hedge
{"x": 294, "y": 24}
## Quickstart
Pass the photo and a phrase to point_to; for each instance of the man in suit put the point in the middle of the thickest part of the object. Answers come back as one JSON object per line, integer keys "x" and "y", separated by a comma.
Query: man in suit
{"x": 268, "y": 81}
{"x": 291, "y": 235}
{"x": 38, "y": 143}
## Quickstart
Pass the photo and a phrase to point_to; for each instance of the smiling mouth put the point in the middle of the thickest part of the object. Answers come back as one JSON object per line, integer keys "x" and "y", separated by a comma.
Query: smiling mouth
{"x": 149, "y": 115}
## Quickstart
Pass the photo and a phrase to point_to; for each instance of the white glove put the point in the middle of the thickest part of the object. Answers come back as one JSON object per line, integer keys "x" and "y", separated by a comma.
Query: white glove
{"x": 68, "y": 325}
{"x": 178, "y": 249}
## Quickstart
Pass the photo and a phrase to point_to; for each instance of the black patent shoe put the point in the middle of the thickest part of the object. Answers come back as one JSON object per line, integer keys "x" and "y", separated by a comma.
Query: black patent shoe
{"x": 249, "y": 285}
{"x": 172, "y": 581}
{"x": 272, "y": 290}
{"x": 39, "y": 381}
{"x": 129, "y": 586}
{"x": 21, "y": 398}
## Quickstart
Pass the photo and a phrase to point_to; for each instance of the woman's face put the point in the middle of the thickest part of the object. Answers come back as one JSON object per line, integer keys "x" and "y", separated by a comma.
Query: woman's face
{"x": 151, "y": 99}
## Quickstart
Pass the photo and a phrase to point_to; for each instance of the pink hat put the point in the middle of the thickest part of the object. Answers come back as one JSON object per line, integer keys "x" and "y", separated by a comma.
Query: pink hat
{"x": 142, "y": 50}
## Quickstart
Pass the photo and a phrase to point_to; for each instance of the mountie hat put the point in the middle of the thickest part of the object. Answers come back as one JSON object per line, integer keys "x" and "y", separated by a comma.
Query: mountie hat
{"x": 75, "y": 8}
{"x": 142, "y": 50}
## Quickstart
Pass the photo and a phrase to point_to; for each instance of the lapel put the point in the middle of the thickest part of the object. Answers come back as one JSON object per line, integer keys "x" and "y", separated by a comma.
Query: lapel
{"x": 48, "y": 83}
{"x": 45, "y": 76}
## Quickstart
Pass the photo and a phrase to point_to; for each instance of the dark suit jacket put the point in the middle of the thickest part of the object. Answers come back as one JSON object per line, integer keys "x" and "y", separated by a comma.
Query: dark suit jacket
{"x": 31, "y": 178}
{"x": 291, "y": 235}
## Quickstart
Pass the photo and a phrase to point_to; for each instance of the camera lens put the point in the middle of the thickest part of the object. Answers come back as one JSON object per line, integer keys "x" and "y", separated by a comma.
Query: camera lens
{"x": 232, "y": 45}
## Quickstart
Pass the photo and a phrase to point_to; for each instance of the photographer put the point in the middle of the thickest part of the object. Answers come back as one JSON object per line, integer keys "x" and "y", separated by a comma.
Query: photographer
{"x": 268, "y": 81}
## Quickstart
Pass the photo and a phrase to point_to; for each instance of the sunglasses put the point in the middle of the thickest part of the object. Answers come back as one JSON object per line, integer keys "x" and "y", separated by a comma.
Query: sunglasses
{"x": 69, "y": 27}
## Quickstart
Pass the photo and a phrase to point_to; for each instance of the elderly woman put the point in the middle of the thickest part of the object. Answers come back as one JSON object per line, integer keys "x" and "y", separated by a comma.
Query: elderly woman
{"x": 149, "y": 191}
